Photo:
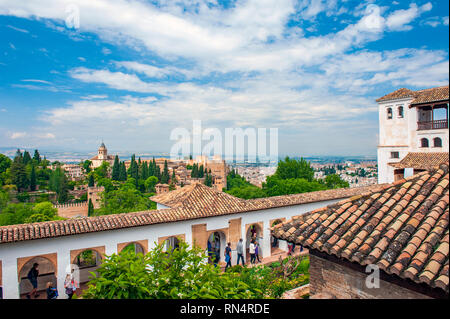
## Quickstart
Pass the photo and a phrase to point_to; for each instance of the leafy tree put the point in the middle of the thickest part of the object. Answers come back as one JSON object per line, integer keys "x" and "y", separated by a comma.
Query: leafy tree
{"x": 26, "y": 213}
{"x": 126, "y": 199}
{"x": 87, "y": 166}
{"x": 4, "y": 199}
{"x": 107, "y": 184}
{"x": 335, "y": 181}
{"x": 247, "y": 192}
{"x": 150, "y": 183}
{"x": 180, "y": 274}
{"x": 291, "y": 168}
{"x": 58, "y": 184}
{"x": 275, "y": 186}
{"x": 102, "y": 171}
{"x": 5, "y": 163}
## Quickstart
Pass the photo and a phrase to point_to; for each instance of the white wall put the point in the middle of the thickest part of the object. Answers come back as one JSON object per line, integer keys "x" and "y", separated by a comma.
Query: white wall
{"x": 63, "y": 245}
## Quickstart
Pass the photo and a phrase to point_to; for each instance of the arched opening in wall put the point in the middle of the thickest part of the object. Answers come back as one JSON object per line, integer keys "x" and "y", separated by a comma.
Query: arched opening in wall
{"x": 389, "y": 113}
{"x": 135, "y": 248}
{"x": 216, "y": 246}
{"x": 46, "y": 272}
{"x": 400, "y": 112}
{"x": 437, "y": 142}
{"x": 424, "y": 142}
{"x": 274, "y": 243}
{"x": 170, "y": 244}
{"x": 87, "y": 261}
{"x": 254, "y": 234}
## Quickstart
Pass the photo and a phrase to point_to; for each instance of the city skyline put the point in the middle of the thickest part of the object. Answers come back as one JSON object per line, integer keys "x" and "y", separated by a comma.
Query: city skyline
{"x": 312, "y": 69}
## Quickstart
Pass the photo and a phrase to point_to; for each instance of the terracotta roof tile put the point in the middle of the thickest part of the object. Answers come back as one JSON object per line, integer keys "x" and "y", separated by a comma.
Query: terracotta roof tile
{"x": 402, "y": 228}
{"x": 420, "y": 160}
{"x": 419, "y": 97}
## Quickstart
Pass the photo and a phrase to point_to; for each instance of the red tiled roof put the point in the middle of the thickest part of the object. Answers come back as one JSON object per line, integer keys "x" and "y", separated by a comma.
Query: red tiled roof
{"x": 425, "y": 161}
{"x": 398, "y": 94}
{"x": 402, "y": 229}
{"x": 421, "y": 96}
{"x": 197, "y": 201}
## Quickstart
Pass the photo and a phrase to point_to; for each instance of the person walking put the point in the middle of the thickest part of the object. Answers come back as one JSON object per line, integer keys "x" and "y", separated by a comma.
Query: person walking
{"x": 228, "y": 256}
{"x": 289, "y": 249}
{"x": 32, "y": 277}
{"x": 240, "y": 252}
{"x": 251, "y": 250}
{"x": 69, "y": 285}
{"x": 257, "y": 251}
{"x": 52, "y": 292}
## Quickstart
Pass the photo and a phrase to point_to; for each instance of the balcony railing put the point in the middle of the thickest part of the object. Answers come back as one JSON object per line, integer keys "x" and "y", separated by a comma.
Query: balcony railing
{"x": 432, "y": 125}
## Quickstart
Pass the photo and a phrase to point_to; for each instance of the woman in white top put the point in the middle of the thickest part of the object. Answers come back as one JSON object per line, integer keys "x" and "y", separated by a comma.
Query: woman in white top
{"x": 252, "y": 252}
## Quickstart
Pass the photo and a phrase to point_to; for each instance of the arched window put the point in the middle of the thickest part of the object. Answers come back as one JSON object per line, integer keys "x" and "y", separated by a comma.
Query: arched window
{"x": 389, "y": 113}
{"x": 424, "y": 142}
{"x": 437, "y": 142}
{"x": 400, "y": 111}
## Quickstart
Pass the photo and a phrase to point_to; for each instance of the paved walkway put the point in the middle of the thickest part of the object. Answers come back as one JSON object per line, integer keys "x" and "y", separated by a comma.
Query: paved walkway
{"x": 276, "y": 253}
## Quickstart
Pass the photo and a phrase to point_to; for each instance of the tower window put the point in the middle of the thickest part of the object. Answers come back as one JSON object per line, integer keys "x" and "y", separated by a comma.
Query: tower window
{"x": 400, "y": 111}
{"x": 424, "y": 142}
{"x": 437, "y": 142}
{"x": 395, "y": 155}
{"x": 389, "y": 113}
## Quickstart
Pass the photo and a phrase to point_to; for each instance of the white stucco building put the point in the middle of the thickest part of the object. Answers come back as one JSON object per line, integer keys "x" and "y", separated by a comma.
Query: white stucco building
{"x": 194, "y": 213}
{"x": 102, "y": 156}
{"x": 412, "y": 122}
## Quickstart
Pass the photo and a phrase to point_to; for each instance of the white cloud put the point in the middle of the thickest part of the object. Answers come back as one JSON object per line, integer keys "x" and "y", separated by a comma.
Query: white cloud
{"x": 18, "y": 135}
{"x": 36, "y": 81}
{"x": 399, "y": 19}
{"x": 106, "y": 51}
{"x": 18, "y": 29}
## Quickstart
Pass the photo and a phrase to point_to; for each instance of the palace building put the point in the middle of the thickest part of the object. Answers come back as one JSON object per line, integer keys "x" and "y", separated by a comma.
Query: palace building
{"x": 102, "y": 156}
{"x": 413, "y": 131}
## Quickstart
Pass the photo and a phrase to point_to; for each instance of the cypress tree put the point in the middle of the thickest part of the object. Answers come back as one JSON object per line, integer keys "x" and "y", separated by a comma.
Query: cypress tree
{"x": 116, "y": 169}
{"x": 165, "y": 174}
{"x": 133, "y": 170}
{"x": 37, "y": 156}
{"x": 90, "y": 208}
{"x": 26, "y": 158}
{"x": 144, "y": 171}
{"x": 174, "y": 178}
{"x": 122, "y": 172}
{"x": 18, "y": 172}
{"x": 201, "y": 171}
{"x": 194, "y": 172}
{"x": 33, "y": 179}
{"x": 91, "y": 182}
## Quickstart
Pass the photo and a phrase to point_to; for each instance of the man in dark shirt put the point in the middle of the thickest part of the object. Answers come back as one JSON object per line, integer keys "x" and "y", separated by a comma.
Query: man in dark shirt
{"x": 32, "y": 277}
{"x": 228, "y": 255}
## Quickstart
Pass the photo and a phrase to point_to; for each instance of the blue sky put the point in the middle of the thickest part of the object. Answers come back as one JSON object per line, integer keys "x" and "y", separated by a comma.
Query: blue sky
{"x": 133, "y": 70}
